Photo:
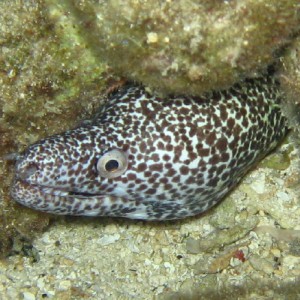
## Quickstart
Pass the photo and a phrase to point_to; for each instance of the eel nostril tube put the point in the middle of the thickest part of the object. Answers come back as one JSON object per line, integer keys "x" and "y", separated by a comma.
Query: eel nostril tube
{"x": 12, "y": 156}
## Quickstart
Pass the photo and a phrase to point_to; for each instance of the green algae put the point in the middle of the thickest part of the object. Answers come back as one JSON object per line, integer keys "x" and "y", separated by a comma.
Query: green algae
{"x": 43, "y": 76}
{"x": 279, "y": 161}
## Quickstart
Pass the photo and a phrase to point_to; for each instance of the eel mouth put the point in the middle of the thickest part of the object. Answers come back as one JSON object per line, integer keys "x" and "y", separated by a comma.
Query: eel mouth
{"x": 62, "y": 202}
{"x": 56, "y": 200}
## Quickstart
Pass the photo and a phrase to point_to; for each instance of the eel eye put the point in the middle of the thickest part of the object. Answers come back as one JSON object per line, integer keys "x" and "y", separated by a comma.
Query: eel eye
{"x": 112, "y": 164}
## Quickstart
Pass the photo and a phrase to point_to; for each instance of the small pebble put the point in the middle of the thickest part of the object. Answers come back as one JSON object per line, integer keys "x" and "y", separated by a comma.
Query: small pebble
{"x": 152, "y": 37}
{"x": 28, "y": 296}
{"x": 109, "y": 239}
{"x": 64, "y": 285}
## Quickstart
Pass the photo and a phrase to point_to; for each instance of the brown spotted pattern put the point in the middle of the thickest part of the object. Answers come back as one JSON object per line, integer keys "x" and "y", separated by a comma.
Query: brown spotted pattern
{"x": 184, "y": 153}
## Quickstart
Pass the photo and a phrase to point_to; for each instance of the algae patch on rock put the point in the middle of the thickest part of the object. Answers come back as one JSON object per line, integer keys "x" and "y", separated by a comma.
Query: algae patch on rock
{"x": 290, "y": 82}
{"x": 185, "y": 46}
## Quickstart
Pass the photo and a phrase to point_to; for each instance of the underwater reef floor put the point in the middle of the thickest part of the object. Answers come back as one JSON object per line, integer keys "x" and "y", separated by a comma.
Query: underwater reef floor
{"x": 248, "y": 247}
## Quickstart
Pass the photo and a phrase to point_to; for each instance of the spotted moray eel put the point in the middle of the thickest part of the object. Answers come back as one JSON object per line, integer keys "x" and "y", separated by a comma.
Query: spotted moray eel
{"x": 143, "y": 157}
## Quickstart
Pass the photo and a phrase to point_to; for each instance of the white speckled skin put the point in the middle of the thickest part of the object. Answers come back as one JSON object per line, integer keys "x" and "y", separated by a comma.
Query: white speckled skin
{"x": 184, "y": 153}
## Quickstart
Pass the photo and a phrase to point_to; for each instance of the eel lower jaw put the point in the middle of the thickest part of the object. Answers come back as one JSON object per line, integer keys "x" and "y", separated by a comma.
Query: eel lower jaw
{"x": 62, "y": 202}
{"x": 57, "y": 200}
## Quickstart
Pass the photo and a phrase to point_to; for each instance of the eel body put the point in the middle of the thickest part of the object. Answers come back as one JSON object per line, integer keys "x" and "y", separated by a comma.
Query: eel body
{"x": 143, "y": 157}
